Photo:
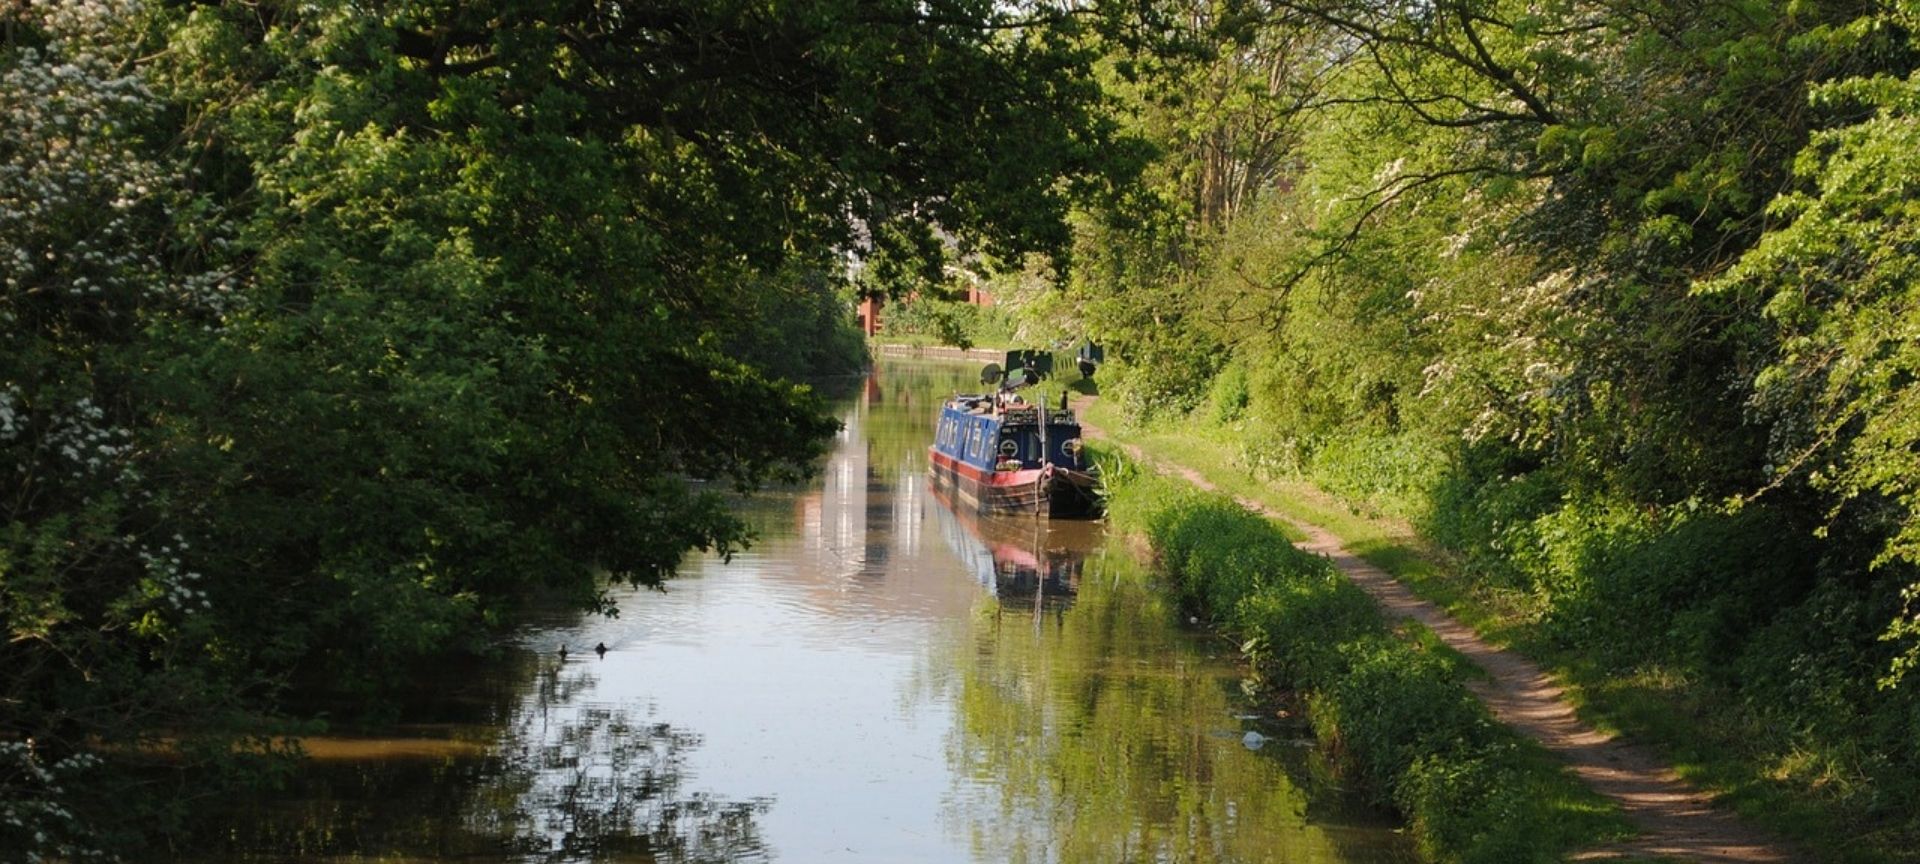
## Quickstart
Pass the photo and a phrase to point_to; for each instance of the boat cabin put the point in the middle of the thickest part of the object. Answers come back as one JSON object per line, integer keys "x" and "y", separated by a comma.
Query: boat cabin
{"x": 1003, "y": 432}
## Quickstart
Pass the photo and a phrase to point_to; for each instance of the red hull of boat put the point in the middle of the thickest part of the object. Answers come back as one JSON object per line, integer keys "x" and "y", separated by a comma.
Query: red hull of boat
{"x": 1053, "y": 492}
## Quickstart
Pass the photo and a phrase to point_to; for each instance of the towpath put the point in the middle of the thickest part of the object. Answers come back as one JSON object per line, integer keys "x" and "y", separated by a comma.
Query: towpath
{"x": 1676, "y": 820}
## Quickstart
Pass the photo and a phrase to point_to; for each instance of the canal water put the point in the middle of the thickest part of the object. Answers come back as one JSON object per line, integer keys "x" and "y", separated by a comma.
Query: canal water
{"x": 879, "y": 679}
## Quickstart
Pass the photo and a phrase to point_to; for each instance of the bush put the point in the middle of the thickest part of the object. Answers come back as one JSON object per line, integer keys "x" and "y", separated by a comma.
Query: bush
{"x": 1629, "y": 587}
{"x": 1167, "y": 378}
{"x": 1478, "y": 507}
{"x": 1393, "y": 473}
{"x": 1454, "y": 798}
{"x": 1296, "y": 628}
{"x": 1228, "y": 395}
{"x": 1395, "y": 704}
{"x": 1222, "y": 554}
{"x": 1397, "y": 710}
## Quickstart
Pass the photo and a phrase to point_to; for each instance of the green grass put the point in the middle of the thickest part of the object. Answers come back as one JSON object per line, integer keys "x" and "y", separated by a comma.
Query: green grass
{"x": 1391, "y": 701}
{"x": 1388, "y": 544}
{"x": 1722, "y": 747}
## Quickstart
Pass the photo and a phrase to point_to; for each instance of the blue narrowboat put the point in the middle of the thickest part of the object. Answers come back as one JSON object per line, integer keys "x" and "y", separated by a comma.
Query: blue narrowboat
{"x": 997, "y": 453}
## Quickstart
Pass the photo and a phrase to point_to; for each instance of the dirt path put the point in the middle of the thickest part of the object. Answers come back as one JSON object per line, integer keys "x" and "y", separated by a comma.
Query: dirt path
{"x": 1676, "y": 820}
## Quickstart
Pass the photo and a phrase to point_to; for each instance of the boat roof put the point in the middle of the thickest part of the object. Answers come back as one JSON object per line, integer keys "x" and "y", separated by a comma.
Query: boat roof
{"x": 981, "y": 405}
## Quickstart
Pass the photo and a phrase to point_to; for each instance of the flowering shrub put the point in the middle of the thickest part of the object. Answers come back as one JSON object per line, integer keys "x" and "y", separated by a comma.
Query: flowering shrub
{"x": 35, "y": 816}
{"x": 90, "y": 260}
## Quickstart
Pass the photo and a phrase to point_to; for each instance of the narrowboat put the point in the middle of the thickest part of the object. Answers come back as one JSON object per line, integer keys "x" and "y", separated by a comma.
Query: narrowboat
{"x": 998, "y": 453}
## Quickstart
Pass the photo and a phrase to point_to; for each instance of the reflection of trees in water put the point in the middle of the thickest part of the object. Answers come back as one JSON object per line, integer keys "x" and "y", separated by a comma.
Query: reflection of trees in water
{"x": 896, "y": 416}
{"x": 588, "y": 782}
{"x": 564, "y": 779}
{"x": 899, "y": 426}
{"x": 1111, "y": 738}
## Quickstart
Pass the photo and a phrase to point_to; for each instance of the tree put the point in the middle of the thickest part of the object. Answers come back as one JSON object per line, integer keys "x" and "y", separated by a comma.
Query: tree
{"x": 1600, "y": 298}
{"x": 1840, "y": 278}
{"x": 335, "y": 332}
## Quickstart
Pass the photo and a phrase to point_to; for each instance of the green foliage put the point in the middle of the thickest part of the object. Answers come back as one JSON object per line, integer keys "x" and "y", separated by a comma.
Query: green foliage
{"x": 1398, "y": 710}
{"x": 332, "y": 332}
{"x": 1227, "y": 396}
{"x": 1495, "y": 806}
{"x": 1220, "y": 551}
{"x": 1298, "y": 627}
{"x": 1691, "y": 587}
{"x": 1617, "y": 306}
{"x": 1393, "y": 473}
{"x": 1840, "y": 278}
{"x": 1394, "y": 704}
{"x": 800, "y": 328}
{"x": 949, "y": 322}
{"x": 1486, "y": 501}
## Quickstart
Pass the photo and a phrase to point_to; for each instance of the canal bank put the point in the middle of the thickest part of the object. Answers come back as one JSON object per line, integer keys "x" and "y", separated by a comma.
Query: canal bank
{"x": 1673, "y": 819}
{"x": 892, "y": 351}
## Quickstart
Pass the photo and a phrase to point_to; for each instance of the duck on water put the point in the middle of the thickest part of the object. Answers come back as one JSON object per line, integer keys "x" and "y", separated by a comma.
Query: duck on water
{"x": 998, "y": 453}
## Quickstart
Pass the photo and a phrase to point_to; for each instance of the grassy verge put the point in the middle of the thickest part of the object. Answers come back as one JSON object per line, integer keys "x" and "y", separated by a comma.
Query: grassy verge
{"x": 1388, "y": 700}
{"x": 1711, "y": 737}
{"x": 1388, "y": 544}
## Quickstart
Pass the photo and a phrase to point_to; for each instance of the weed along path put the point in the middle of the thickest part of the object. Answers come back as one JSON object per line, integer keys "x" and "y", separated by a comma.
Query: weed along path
{"x": 1676, "y": 820}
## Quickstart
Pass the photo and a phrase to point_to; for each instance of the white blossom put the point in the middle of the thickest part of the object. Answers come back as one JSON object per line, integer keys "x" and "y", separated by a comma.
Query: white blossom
{"x": 34, "y": 812}
{"x": 70, "y": 167}
{"x": 86, "y": 214}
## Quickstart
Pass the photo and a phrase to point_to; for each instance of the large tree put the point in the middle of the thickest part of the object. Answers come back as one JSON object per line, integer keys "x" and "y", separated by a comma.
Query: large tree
{"x": 334, "y": 329}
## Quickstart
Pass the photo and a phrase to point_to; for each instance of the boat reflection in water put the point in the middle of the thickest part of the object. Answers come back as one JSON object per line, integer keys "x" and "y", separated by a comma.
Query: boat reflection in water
{"x": 1028, "y": 563}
